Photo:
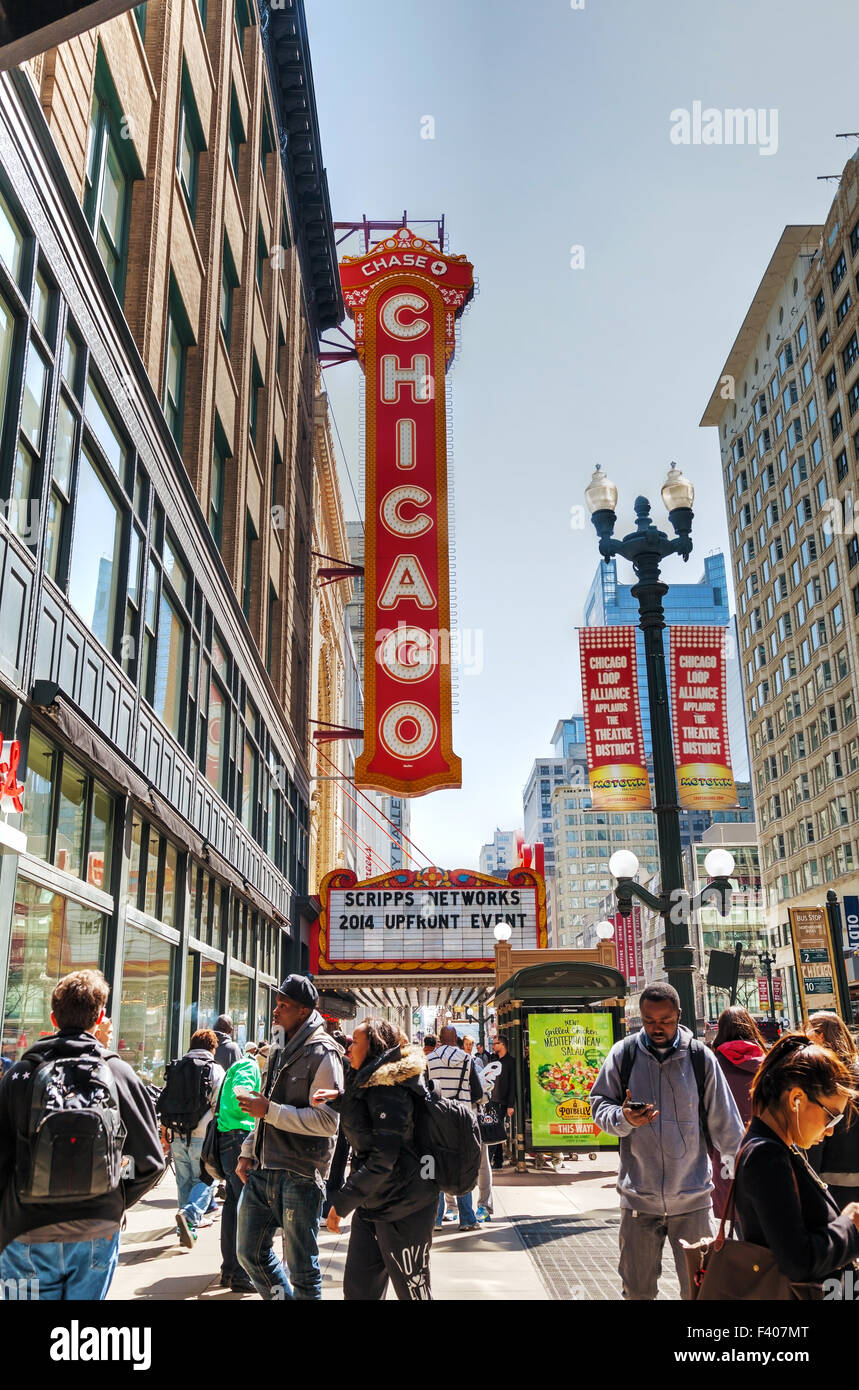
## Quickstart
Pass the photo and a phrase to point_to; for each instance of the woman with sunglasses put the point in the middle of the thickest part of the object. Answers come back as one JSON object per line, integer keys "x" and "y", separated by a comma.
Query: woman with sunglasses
{"x": 800, "y": 1094}
{"x": 836, "y": 1159}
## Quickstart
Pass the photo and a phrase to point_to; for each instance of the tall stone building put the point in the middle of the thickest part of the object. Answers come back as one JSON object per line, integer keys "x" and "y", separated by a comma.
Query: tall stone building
{"x": 785, "y": 407}
{"x": 167, "y": 263}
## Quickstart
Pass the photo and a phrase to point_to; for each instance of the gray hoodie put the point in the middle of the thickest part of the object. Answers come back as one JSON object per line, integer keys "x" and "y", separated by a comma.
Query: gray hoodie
{"x": 664, "y": 1167}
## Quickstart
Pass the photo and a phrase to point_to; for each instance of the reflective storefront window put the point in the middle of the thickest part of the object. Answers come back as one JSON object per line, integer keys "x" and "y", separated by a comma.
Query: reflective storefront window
{"x": 51, "y": 935}
{"x": 241, "y": 1006}
{"x": 71, "y": 819}
{"x": 38, "y": 797}
{"x": 147, "y": 974}
{"x": 210, "y": 982}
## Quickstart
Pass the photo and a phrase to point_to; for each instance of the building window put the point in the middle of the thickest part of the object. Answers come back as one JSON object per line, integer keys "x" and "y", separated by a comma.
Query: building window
{"x": 819, "y": 304}
{"x": 51, "y": 935}
{"x": 177, "y": 341}
{"x": 229, "y": 284}
{"x": 841, "y": 311}
{"x": 190, "y": 143}
{"x": 165, "y": 634}
{"x": 266, "y": 139}
{"x": 237, "y": 132}
{"x": 243, "y": 14}
{"x": 29, "y": 462}
{"x": 220, "y": 454}
{"x": 214, "y": 744}
{"x": 272, "y": 622}
{"x": 110, "y": 171}
{"x": 146, "y": 1002}
{"x": 253, "y": 411}
{"x": 68, "y": 815}
{"x": 262, "y": 252}
{"x": 96, "y": 551}
{"x": 838, "y": 271}
{"x": 247, "y": 587}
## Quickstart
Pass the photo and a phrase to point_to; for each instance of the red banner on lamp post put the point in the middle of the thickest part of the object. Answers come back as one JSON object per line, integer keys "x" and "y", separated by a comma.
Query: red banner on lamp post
{"x": 699, "y": 709}
{"x": 405, "y": 297}
{"x": 617, "y": 769}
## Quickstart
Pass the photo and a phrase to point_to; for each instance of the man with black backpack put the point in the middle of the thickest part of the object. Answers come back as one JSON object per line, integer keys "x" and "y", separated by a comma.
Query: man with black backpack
{"x": 78, "y": 1145}
{"x": 191, "y": 1087}
{"x": 664, "y": 1093}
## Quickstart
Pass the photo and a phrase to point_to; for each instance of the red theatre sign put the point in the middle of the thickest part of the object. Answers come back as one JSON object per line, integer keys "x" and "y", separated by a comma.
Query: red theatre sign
{"x": 405, "y": 297}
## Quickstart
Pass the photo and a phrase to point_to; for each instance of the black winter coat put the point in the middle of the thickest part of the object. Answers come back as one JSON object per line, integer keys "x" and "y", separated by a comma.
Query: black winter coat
{"x": 377, "y": 1115}
{"x": 504, "y": 1087}
{"x": 141, "y": 1140}
{"x": 781, "y": 1206}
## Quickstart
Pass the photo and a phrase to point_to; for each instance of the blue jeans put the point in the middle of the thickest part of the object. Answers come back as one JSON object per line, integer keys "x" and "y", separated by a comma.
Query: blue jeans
{"x": 229, "y": 1145}
{"x": 466, "y": 1210}
{"x": 195, "y": 1195}
{"x": 275, "y": 1199}
{"x": 67, "y": 1269}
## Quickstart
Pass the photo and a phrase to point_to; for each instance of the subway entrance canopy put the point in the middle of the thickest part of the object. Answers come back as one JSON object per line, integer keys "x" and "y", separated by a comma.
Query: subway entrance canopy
{"x": 422, "y": 937}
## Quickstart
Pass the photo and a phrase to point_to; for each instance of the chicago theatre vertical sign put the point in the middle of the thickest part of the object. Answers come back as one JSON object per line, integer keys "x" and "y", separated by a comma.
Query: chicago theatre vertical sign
{"x": 405, "y": 297}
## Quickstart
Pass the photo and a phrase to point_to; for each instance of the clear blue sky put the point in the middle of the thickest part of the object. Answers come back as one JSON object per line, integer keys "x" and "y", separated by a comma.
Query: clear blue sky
{"x": 552, "y": 130}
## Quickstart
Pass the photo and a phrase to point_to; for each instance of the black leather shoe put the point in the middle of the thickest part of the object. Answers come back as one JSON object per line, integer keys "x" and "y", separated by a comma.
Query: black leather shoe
{"x": 242, "y": 1286}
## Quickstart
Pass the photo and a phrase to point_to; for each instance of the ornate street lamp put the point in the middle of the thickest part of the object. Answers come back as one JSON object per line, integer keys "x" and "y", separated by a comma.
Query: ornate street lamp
{"x": 646, "y": 547}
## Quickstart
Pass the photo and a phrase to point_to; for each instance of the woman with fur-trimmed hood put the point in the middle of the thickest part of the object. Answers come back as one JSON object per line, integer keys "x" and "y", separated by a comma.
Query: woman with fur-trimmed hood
{"x": 389, "y": 1190}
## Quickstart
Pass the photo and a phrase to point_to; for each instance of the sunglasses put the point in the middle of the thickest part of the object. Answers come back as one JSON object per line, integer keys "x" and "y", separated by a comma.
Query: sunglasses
{"x": 833, "y": 1119}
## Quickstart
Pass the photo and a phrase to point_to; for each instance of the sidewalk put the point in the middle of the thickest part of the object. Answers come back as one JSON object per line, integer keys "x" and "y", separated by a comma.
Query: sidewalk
{"x": 554, "y": 1234}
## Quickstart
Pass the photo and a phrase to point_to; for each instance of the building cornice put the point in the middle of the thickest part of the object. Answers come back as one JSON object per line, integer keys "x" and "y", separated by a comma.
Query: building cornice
{"x": 286, "y": 46}
{"x": 792, "y": 242}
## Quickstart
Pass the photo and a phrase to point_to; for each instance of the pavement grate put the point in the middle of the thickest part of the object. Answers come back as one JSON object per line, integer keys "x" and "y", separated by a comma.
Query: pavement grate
{"x": 576, "y": 1256}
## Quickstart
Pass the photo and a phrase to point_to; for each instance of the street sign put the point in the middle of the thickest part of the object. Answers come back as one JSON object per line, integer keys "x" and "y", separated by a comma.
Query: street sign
{"x": 851, "y": 916}
{"x": 815, "y": 961}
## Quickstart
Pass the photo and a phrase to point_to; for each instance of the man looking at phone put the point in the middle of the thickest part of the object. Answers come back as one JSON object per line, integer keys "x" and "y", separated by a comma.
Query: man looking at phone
{"x": 665, "y": 1095}
{"x": 285, "y": 1161}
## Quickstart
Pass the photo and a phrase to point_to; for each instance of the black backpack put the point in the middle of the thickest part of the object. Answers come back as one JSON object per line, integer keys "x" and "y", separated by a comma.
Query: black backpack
{"x": 697, "y": 1052}
{"x": 448, "y": 1132}
{"x": 73, "y": 1146}
{"x": 187, "y": 1093}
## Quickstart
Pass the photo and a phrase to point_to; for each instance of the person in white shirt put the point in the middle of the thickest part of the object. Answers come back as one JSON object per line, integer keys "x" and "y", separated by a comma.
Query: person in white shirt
{"x": 449, "y": 1071}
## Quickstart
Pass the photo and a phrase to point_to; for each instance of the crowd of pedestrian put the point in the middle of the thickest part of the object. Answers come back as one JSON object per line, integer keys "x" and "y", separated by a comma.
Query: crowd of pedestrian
{"x": 761, "y": 1138}
{"x": 273, "y": 1139}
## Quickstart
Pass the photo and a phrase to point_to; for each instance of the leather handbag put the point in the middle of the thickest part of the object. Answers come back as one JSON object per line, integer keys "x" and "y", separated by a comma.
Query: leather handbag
{"x": 724, "y": 1269}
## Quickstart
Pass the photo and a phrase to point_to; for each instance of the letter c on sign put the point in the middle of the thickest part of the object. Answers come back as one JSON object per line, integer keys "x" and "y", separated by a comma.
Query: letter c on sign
{"x": 391, "y": 316}
{"x": 407, "y": 653}
{"x": 391, "y": 510}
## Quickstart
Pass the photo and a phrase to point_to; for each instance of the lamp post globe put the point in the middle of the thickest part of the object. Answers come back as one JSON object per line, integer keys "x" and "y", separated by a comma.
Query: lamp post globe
{"x": 719, "y": 863}
{"x": 623, "y": 864}
{"x": 601, "y": 493}
{"x": 503, "y": 931}
{"x": 677, "y": 491}
{"x": 605, "y": 930}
